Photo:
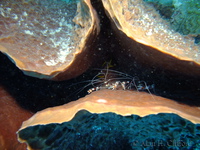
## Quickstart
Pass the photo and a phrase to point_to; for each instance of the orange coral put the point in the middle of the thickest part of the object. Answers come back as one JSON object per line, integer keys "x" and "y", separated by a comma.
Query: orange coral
{"x": 49, "y": 40}
{"x": 147, "y": 38}
{"x": 117, "y": 101}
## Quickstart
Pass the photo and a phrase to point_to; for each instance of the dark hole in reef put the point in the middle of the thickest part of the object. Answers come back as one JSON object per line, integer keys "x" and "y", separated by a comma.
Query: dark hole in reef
{"x": 197, "y": 39}
{"x": 35, "y": 145}
{"x": 198, "y": 127}
{"x": 46, "y": 131}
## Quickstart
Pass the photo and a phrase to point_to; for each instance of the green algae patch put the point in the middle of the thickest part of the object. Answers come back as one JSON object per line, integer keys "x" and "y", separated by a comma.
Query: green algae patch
{"x": 184, "y": 15}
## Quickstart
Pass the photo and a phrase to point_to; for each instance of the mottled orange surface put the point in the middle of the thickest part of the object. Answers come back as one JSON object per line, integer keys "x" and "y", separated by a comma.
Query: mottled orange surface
{"x": 11, "y": 117}
{"x": 118, "y": 101}
{"x": 147, "y": 38}
{"x": 49, "y": 40}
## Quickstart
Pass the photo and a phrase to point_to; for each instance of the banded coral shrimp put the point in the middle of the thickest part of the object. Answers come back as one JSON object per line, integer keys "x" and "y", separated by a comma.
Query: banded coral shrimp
{"x": 113, "y": 80}
{"x": 116, "y": 80}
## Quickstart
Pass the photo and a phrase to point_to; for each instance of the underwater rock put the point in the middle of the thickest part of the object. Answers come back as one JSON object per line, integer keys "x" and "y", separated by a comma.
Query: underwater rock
{"x": 49, "y": 39}
{"x": 56, "y": 39}
{"x": 11, "y": 117}
{"x": 184, "y": 16}
{"x": 120, "y": 102}
{"x": 146, "y": 37}
{"x": 115, "y": 132}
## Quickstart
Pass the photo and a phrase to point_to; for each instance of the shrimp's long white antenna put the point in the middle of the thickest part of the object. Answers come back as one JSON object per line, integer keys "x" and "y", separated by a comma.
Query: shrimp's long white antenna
{"x": 133, "y": 84}
{"x": 147, "y": 88}
{"x": 112, "y": 79}
{"x": 118, "y": 73}
{"x": 106, "y": 72}
{"x": 93, "y": 79}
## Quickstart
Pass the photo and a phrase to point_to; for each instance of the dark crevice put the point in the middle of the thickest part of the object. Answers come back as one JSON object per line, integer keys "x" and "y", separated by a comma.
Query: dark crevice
{"x": 36, "y": 94}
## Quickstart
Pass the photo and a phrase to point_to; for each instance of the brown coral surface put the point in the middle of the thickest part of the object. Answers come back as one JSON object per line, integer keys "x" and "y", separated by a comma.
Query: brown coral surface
{"x": 11, "y": 117}
{"x": 147, "y": 38}
{"x": 120, "y": 102}
{"x": 138, "y": 37}
{"x": 117, "y": 101}
{"x": 49, "y": 39}
{"x": 56, "y": 40}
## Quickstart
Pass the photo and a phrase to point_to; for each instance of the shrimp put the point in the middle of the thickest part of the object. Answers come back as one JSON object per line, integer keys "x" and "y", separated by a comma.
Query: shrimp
{"x": 116, "y": 80}
{"x": 113, "y": 80}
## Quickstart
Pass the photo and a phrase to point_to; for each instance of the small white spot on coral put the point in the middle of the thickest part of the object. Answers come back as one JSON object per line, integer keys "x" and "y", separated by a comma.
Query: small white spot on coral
{"x": 28, "y": 32}
{"x": 51, "y": 62}
{"x": 102, "y": 101}
{"x": 25, "y": 14}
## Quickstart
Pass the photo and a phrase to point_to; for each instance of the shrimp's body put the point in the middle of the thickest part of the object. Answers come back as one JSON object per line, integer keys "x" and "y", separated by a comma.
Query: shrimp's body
{"x": 115, "y": 80}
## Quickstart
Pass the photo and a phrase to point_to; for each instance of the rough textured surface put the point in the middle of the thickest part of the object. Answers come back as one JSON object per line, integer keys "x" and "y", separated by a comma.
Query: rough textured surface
{"x": 148, "y": 39}
{"x": 115, "y": 132}
{"x": 118, "y": 101}
{"x": 183, "y": 15}
{"x": 11, "y": 117}
{"x": 44, "y": 38}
